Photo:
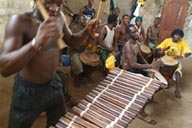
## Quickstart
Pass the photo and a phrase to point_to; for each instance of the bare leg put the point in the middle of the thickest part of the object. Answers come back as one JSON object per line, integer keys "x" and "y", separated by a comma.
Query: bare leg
{"x": 177, "y": 82}
{"x": 142, "y": 111}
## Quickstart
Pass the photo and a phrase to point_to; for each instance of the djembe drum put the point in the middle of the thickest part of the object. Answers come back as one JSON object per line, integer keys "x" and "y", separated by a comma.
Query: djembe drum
{"x": 90, "y": 60}
{"x": 146, "y": 53}
{"x": 170, "y": 65}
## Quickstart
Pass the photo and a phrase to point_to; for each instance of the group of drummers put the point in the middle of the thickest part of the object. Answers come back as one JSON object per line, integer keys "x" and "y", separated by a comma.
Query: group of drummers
{"x": 136, "y": 51}
{"x": 128, "y": 47}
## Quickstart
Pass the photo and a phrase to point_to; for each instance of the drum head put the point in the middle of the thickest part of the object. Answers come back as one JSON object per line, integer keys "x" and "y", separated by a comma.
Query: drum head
{"x": 169, "y": 61}
{"x": 89, "y": 58}
{"x": 145, "y": 49}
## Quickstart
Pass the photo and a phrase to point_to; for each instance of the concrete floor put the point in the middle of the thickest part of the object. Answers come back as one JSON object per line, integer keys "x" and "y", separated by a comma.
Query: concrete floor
{"x": 170, "y": 112}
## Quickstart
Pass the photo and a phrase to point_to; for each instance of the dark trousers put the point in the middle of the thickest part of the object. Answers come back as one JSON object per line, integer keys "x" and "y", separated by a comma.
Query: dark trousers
{"x": 65, "y": 78}
{"x": 29, "y": 100}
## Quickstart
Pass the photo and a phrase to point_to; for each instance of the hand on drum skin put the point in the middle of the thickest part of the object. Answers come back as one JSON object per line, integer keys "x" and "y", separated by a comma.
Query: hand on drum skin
{"x": 47, "y": 29}
{"x": 177, "y": 57}
{"x": 158, "y": 53}
{"x": 156, "y": 64}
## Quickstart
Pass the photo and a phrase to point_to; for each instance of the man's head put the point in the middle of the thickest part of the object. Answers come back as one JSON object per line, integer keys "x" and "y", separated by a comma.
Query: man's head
{"x": 52, "y": 6}
{"x": 90, "y": 2}
{"x": 138, "y": 20}
{"x": 112, "y": 19}
{"x": 117, "y": 11}
{"x": 157, "y": 21}
{"x": 177, "y": 34}
{"x": 81, "y": 20}
{"x": 132, "y": 32}
{"x": 126, "y": 19}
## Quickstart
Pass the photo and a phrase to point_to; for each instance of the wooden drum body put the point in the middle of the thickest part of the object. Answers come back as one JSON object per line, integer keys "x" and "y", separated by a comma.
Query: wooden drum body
{"x": 170, "y": 65}
{"x": 146, "y": 53}
{"x": 90, "y": 60}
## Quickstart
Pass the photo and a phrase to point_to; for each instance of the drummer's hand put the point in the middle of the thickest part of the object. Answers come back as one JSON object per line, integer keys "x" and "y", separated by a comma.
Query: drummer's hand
{"x": 46, "y": 30}
{"x": 158, "y": 53}
{"x": 113, "y": 53}
{"x": 91, "y": 26}
{"x": 156, "y": 64}
{"x": 113, "y": 49}
{"x": 179, "y": 57}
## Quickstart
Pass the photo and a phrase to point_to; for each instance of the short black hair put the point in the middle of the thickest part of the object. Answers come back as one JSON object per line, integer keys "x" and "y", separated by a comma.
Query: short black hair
{"x": 157, "y": 18}
{"x": 177, "y": 32}
{"x": 128, "y": 27}
{"x": 125, "y": 16}
{"x": 112, "y": 18}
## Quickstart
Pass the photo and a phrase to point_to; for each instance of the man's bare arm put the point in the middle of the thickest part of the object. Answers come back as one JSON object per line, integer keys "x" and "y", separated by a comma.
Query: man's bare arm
{"x": 14, "y": 56}
{"x": 133, "y": 61}
{"x": 72, "y": 39}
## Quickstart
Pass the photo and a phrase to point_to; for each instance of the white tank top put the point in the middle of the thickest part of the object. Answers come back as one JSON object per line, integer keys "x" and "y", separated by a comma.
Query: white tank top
{"x": 108, "y": 41}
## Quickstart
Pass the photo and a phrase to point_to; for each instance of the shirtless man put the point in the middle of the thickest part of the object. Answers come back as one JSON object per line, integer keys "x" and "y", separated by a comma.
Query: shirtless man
{"x": 121, "y": 36}
{"x": 129, "y": 63}
{"x": 30, "y": 50}
{"x": 153, "y": 33}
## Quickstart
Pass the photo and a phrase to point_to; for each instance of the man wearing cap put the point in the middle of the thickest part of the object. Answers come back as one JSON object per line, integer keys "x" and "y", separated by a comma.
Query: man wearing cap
{"x": 140, "y": 29}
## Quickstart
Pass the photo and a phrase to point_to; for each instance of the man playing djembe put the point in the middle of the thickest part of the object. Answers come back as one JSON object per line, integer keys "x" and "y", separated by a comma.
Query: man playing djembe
{"x": 176, "y": 48}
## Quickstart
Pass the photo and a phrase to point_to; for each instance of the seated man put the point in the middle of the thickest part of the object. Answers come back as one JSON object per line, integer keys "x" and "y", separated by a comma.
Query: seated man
{"x": 129, "y": 63}
{"x": 107, "y": 45}
{"x": 120, "y": 34}
{"x": 76, "y": 64}
{"x": 140, "y": 29}
{"x": 153, "y": 33}
{"x": 178, "y": 49}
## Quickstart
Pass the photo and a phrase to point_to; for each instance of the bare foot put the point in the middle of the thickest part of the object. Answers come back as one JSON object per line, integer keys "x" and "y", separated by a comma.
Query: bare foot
{"x": 148, "y": 119}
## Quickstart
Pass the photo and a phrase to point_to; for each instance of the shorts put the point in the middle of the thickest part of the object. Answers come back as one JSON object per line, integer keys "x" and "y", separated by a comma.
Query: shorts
{"x": 29, "y": 100}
